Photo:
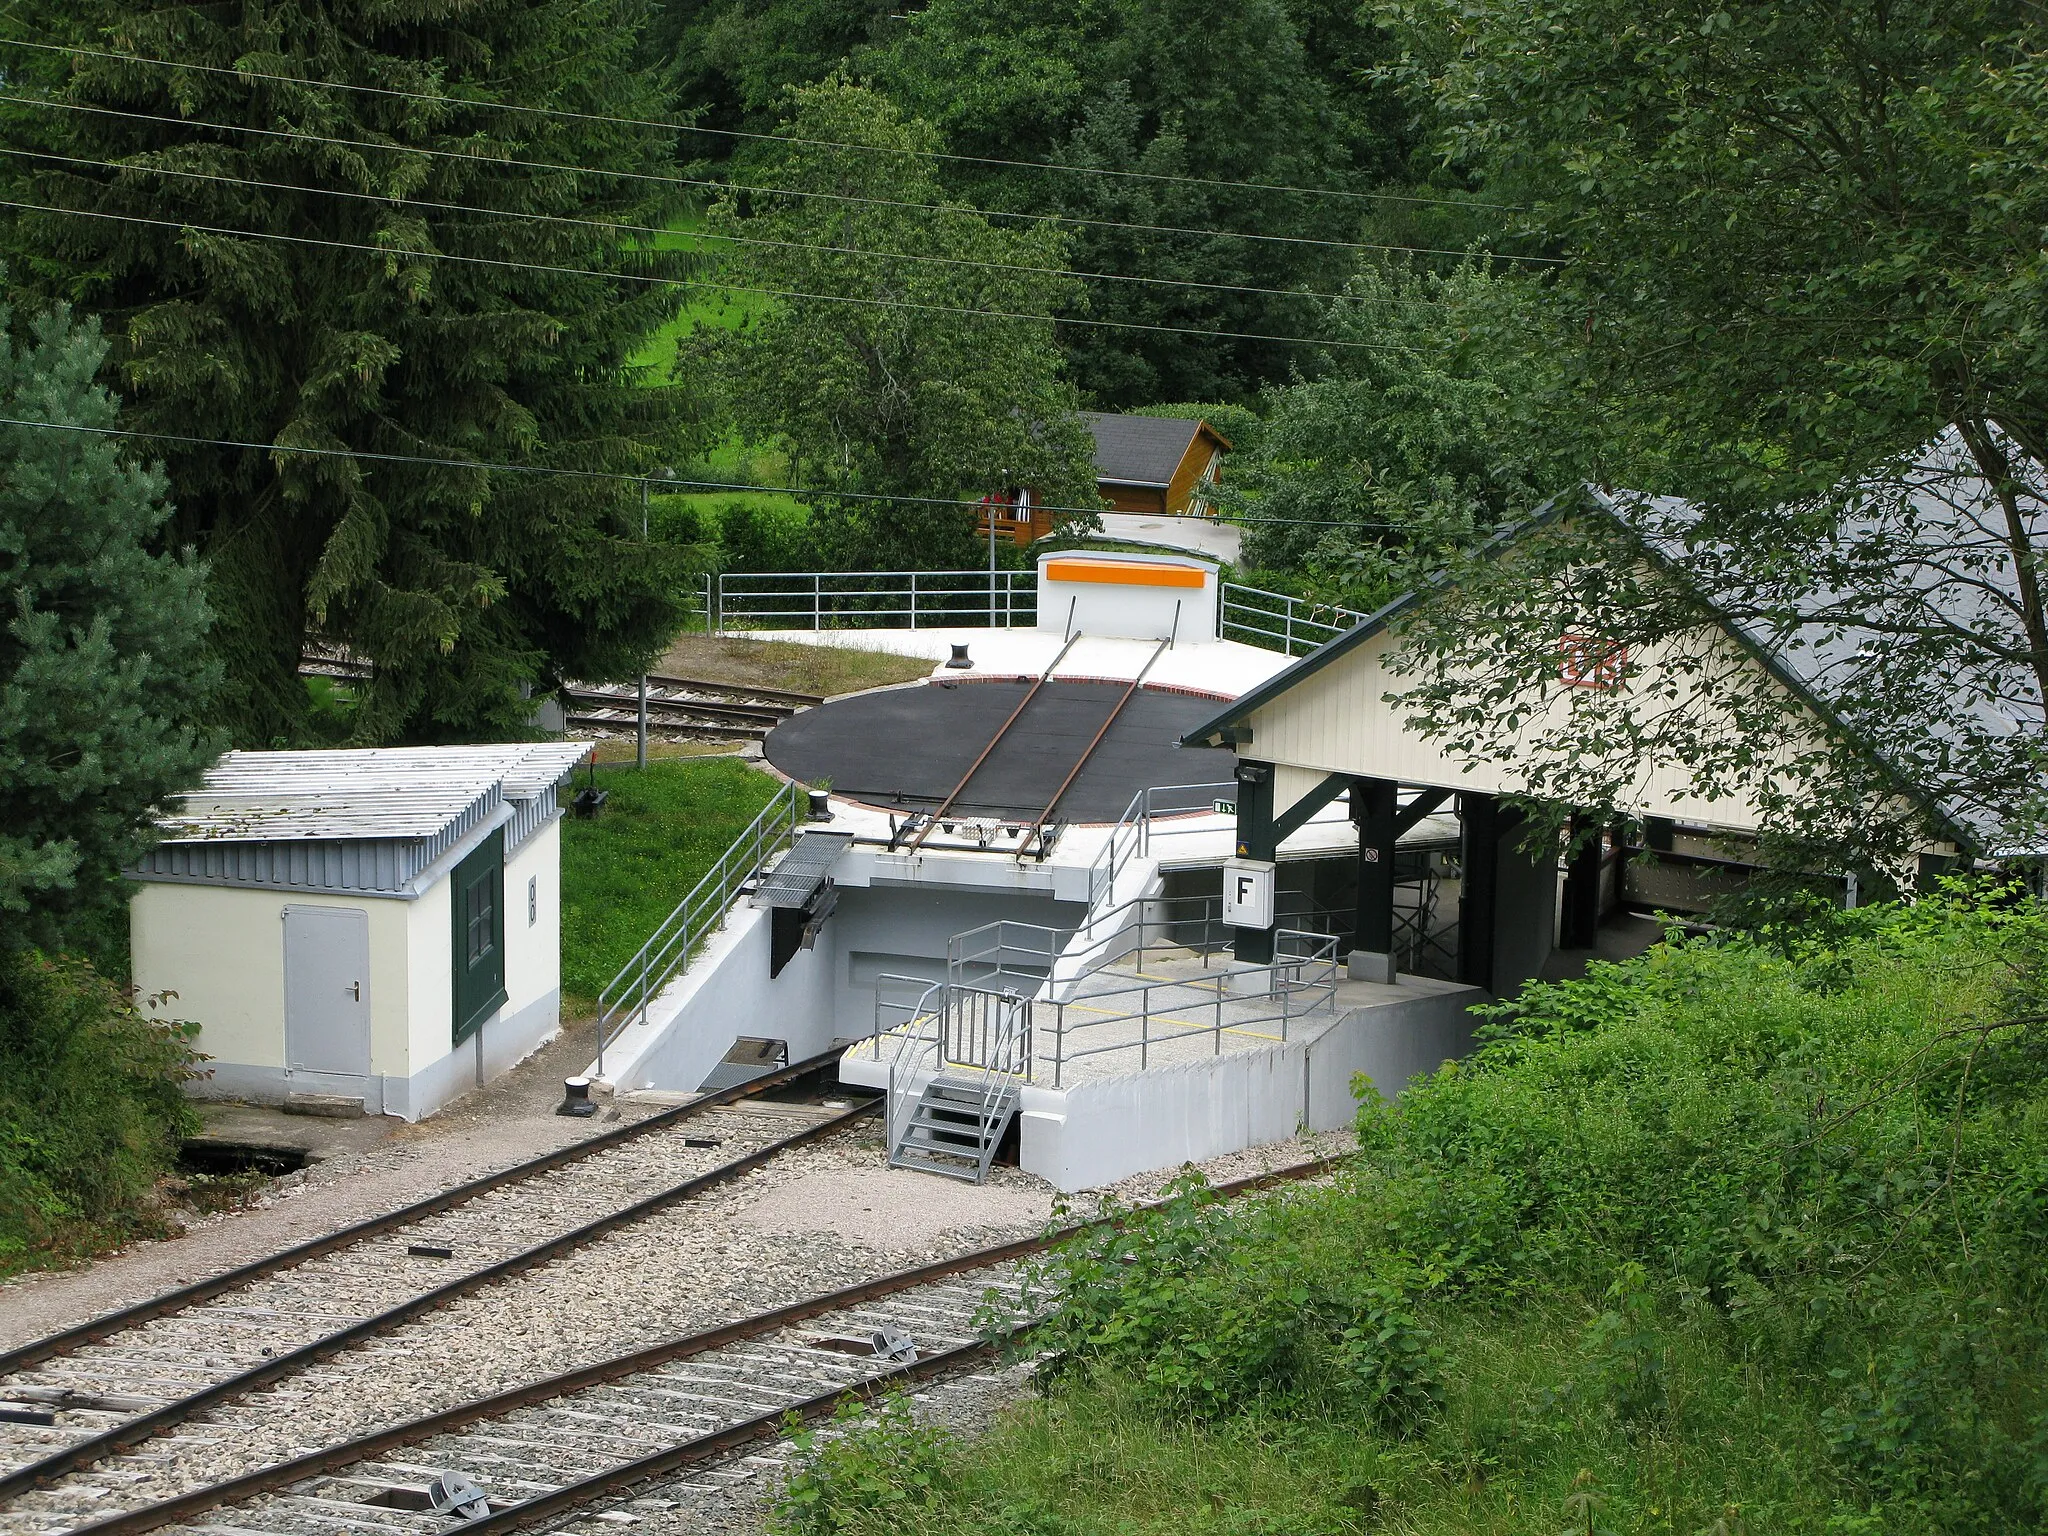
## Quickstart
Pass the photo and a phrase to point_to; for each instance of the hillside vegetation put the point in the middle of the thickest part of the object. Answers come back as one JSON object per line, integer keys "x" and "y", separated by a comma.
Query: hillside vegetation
{"x": 1738, "y": 1236}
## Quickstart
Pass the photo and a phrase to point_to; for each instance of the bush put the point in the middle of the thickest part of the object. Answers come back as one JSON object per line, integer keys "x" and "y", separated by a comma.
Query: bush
{"x": 1748, "y": 1229}
{"x": 875, "y": 1467}
{"x": 91, "y": 1110}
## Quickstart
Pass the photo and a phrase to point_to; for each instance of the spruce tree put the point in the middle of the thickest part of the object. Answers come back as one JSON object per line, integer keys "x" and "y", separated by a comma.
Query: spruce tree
{"x": 104, "y": 665}
{"x": 381, "y": 132}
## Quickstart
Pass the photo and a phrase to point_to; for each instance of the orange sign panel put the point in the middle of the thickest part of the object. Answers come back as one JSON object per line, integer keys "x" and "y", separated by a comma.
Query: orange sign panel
{"x": 1123, "y": 573}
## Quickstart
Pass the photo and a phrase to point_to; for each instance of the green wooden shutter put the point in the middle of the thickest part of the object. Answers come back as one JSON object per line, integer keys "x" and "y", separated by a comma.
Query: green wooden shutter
{"x": 476, "y": 902}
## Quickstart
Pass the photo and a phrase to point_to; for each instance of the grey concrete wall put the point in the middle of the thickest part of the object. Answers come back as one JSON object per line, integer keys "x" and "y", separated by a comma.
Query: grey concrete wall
{"x": 738, "y": 997}
{"x": 904, "y": 929}
{"x": 1095, "y": 1133}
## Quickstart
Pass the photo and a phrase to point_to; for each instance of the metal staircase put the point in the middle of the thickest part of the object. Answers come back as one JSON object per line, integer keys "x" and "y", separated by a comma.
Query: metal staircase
{"x": 957, "y": 1079}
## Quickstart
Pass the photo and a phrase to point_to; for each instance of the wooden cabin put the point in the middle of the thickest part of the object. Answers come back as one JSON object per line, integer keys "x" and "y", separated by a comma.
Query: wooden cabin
{"x": 1156, "y": 466}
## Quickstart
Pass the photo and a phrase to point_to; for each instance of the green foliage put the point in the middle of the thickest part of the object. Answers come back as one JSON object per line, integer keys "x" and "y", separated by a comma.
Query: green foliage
{"x": 103, "y": 666}
{"x": 91, "y": 1110}
{"x": 1735, "y": 1236}
{"x": 622, "y": 872}
{"x": 1446, "y": 425}
{"x": 1179, "y": 1299}
{"x": 465, "y": 587}
{"x": 914, "y": 395}
{"x": 1156, "y": 98}
{"x": 875, "y": 1467}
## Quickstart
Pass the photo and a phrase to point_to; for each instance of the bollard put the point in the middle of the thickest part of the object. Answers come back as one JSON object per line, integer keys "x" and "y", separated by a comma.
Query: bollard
{"x": 959, "y": 657}
{"x": 576, "y": 1098}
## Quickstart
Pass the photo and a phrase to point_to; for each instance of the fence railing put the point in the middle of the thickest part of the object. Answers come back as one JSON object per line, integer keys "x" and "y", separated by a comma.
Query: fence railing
{"x": 1301, "y": 982}
{"x": 1276, "y": 621}
{"x": 819, "y": 600}
{"x": 1002, "y": 599}
{"x": 668, "y": 949}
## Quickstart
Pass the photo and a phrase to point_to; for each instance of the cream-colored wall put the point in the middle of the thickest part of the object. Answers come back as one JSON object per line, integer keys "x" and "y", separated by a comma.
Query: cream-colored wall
{"x": 533, "y": 952}
{"x": 431, "y": 975}
{"x": 221, "y": 949}
{"x": 1337, "y": 721}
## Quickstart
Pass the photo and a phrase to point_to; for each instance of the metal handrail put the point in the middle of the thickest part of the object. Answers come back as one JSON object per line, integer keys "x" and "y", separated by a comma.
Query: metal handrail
{"x": 1296, "y": 618}
{"x": 819, "y": 600}
{"x": 980, "y": 599}
{"x": 1311, "y": 974}
{"x": 668, "y": 949}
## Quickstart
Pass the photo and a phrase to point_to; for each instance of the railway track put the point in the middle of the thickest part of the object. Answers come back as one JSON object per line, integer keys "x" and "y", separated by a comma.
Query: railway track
{"x": 676, "y": 1413}
{"x": 675, "y": 705}
{"x": 99, "y": 1396}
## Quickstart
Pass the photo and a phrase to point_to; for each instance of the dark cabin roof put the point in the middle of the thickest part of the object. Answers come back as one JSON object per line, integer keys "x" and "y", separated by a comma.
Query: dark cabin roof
{"x": 1139, "y": 450}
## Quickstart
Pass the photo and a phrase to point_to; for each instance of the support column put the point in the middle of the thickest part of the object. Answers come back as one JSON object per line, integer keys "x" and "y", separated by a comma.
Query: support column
{"x": 1580, "y": 925}
{"x": 1479, "y": 892}
{"x": 1657, "y": 833}
{"x": 1256, "y": 839}
{"x": 1374, "y": 807}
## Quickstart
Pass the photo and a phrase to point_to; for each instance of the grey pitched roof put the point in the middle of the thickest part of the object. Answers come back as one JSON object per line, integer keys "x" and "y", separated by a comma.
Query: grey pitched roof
{"x": 365, "y": 820}
{"x": 1139, "y": 450}
{"x": 1947, "y": 570}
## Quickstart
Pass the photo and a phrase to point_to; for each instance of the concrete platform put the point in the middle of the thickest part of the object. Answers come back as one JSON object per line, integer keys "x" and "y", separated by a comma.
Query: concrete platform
{"x": 1109, "y": 1126}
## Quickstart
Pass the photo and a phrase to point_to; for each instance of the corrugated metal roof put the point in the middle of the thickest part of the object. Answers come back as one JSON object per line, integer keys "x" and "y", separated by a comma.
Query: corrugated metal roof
{"x": 353, "y": 820}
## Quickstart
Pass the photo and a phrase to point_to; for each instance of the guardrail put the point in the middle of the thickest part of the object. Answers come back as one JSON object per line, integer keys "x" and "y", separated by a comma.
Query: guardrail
{"x": 1001, "y": 599}
{"x": 625, "y": 997}
{"x": 1297, "y": 984}
{"x": 820, "y": 600}
{"x": 1291, "y": 624}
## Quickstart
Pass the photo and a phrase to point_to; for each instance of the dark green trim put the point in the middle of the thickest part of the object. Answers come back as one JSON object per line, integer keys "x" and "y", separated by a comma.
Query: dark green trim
{"x": 1418, "y": 808}
{"x": 479, "y": 978}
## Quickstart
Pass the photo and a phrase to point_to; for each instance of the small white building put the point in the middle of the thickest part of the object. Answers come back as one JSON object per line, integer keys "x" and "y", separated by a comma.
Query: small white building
{"x": 378, "y": 927}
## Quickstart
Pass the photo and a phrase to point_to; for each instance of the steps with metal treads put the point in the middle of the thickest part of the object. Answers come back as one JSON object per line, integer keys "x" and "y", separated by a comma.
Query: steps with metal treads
{"x": 955, "y": 1128}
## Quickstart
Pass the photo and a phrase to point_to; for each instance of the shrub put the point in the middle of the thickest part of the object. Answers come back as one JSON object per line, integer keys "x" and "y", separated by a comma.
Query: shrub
{"x": 874, "y": 1467}
{"x": 91, "y": 1110}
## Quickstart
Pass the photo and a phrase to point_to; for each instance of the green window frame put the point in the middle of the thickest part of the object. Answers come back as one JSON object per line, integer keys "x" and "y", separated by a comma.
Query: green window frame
{"x": 476, "y": 904}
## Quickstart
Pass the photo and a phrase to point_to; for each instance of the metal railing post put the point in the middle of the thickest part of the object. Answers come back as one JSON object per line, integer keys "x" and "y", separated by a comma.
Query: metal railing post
{"x": 817, "y": 603}
{"x": 913, "y": 602}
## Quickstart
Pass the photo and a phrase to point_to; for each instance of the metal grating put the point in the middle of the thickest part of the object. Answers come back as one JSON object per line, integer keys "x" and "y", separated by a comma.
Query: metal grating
{"x": 794, "y": 881}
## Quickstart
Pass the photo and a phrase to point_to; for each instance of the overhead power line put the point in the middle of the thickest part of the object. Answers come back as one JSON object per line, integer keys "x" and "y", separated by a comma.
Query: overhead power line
{"x": 669, "y": 125}
{"x": 660, "y": 483}
{"x": 392, "y": 252}
{"x": 610, "y": 226}
{"x": 188, "y": 124}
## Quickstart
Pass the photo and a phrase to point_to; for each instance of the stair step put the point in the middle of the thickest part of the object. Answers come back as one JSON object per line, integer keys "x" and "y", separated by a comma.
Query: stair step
{"x": 966, "y": 1171}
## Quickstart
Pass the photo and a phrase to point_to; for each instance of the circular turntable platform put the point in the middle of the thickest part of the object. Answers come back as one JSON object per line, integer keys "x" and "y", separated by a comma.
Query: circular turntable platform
{"x": 910, "y": 746}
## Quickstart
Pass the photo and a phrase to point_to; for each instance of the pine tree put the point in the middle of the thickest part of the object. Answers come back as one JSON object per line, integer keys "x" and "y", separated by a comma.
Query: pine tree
{"x": 414, "y": 325}
{"x": 104, "y": 666}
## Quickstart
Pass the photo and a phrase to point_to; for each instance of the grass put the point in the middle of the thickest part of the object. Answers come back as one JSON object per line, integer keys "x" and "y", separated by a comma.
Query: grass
{"x": 824, "y": 670}
{"x": 1517, "y": 1448}
{"x": 708, "y": 307}
{"x": 624, "y": 871}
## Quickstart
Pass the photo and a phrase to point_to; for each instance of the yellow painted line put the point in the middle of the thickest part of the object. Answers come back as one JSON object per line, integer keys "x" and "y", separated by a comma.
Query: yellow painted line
{"x": 1124, "y": 573}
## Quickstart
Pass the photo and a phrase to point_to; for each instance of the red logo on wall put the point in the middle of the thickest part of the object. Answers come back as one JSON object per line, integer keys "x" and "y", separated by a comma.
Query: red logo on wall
{"x": 1587, "y": 661}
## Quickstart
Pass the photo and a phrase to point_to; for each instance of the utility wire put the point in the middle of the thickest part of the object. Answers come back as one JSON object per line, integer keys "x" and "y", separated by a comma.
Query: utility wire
{"x": 189, "y": 123}
{"x": 241, "y": 73}
{"x": 656, "y": 483}
{"x": 394, "y": 253}
{"x": 608, "y": 226}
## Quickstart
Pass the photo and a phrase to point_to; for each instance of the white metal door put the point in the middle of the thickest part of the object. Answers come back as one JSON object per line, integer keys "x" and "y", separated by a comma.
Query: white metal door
{"x": 327, "y": 990}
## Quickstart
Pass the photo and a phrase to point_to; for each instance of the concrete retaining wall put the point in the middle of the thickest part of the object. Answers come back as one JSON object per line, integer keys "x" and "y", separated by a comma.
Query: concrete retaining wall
{"x": 1096, "y": 1133}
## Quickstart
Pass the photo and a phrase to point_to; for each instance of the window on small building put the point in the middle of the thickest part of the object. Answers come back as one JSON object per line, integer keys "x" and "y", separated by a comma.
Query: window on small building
{"x": 476, "y": 897}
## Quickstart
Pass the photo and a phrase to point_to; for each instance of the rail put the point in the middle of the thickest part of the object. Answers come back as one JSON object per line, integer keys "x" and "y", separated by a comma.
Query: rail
{"x": 820, "y": 600}
{"x": 1275, "y": 620}
{"x": 1251, "y": 1000}
{"x": 668, "y": 949}
{"x": 979, "y": 599}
